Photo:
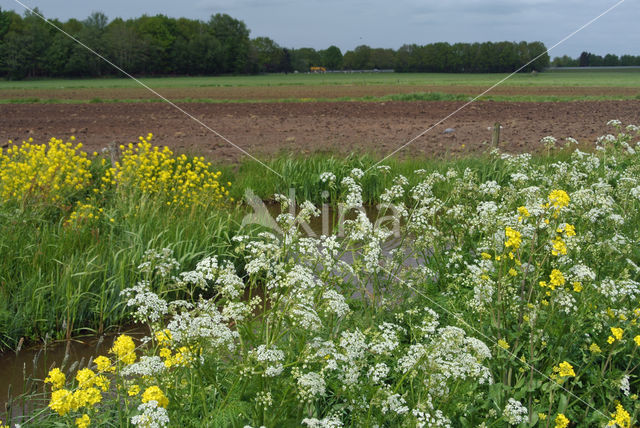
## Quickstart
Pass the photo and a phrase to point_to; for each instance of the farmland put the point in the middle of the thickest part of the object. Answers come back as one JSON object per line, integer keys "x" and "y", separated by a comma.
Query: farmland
{"x": 500, "y": 288}
{"x": 343, "y": 113}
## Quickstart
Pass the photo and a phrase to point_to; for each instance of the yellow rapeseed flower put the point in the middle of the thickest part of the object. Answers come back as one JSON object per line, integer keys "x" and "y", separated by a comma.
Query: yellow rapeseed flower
{"x": 621, "y": 417}
{"x": 514, "y": 238}
{"x": 559, "y": 247}
{"x": 564, "y": 369}
{"x": 83, "y": 421}
{"x": 124, "y": 349}
{"x": 617, "y": 332}
{"x": 154, "y": 393}
{"x": 103, "y": 364}
{"x": 133, "y": 390}
{"x": 559, "y": 199}
{"x": 561, "y": 421}
{"x": 61, "y": 401}
{"x": 56, "y": 378}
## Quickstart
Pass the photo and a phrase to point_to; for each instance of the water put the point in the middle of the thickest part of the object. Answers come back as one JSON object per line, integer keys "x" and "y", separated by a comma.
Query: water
{"x": 24, "y": 371}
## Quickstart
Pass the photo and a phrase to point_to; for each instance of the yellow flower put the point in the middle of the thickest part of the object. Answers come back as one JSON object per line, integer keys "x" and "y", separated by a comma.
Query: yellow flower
{"x": 621, "y": 417}
{"x": 559, "y": 199}
{"x": 559, "y": 247}
{"x": 124, "y": 349}
{"x": 103, "y": 364}
{"x": 85, "y": 378}
{"x": 556, "y": 279}
{"x": 56, "y": 378}
{"x": 594, "y": 348}
{"x": 524, "y": 212}
{"x": 61, "y": 401}
{"x": 133, "y": 390}
{"x": 542, "y": 416}
{"x": 154, "y": 393}
{"x": 513, "y": 272}
{"x": 485, "y": 256}
{"x": 102, "y": 383}
{"x": 514, "y": 238}
{"x": 561, "y": 421}
{"x": 83, "y": 421}
{"x": 84, "y": 397}
{"x": 577, "y": 287}
{"x": 617, "y": 332}
{"x": 503, "y": 344}
{"x": 564, "y": 369}
{"x": 163, "y": 337}
{"x": 637, "y": 340}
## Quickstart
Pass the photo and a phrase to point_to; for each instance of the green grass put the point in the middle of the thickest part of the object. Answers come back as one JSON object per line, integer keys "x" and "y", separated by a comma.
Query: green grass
{"x": 303, "y": 173}
{"x": 560, "y": 79}
{"x": 418, "y": 96}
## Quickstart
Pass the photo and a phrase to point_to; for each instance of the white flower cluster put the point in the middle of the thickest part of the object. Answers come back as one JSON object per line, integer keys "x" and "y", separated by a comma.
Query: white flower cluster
{"x": 271, "y": 358}
{"x": 515, "y": 412}
{"x": 332, "y": 421}
{"x": 152, "y": 416}
{"x": 149, "y": 307}
{"x": 311, "y": 386}
{"x": 160, "y": 262}
{"x": 147, "y": 366}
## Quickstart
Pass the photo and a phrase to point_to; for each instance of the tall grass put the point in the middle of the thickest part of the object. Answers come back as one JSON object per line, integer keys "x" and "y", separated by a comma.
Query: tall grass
{"x": 303, "y": 173}
{"x": 64, "y": 282}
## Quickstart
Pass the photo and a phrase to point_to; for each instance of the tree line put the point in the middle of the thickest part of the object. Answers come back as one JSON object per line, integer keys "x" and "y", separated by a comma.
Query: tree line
{"x": 160, "y": 45}
{"x": 588, "y": 59}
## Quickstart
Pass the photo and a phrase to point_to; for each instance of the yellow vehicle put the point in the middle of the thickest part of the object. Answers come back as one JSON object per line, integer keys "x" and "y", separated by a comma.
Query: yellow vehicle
{"x": 318, "y": 70}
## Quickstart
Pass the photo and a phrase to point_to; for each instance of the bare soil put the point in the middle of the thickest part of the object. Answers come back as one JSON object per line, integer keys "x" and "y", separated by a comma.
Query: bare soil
{"x": 266, "y": 130}
{"x": 306, "y": 91}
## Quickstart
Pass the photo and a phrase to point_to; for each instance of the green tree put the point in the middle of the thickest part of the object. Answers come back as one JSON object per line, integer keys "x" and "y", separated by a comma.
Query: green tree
{"x": 234, "y": 39}
{"x": 332, "y": 58}
{"x": 611, "y": 60}
{"x": 304, "y": 58}
{"x": 269, "y": 55}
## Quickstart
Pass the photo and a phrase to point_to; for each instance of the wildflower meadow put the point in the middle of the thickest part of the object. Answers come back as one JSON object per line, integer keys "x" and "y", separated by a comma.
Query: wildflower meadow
{"x": 499, "y": 293}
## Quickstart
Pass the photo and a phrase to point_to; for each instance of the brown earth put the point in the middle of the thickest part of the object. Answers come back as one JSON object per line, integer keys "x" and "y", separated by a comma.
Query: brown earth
{"x": 342, "y": 127}
{"x": 307, "y": 91}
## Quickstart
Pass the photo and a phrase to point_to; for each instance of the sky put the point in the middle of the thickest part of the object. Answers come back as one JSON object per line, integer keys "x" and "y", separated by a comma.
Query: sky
{"x": 390, "y": 24}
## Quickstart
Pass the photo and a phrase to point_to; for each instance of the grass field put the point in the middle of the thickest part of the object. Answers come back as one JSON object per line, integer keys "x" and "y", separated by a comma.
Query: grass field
{"x": 549, "y": 86}
{"x": 559, "y": 78}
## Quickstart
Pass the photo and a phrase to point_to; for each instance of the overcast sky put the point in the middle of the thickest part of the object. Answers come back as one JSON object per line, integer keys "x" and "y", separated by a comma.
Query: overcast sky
{"x": 390, "y": 24}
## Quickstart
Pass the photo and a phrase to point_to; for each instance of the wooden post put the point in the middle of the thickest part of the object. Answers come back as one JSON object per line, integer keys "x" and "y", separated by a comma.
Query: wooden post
{"x": 495, "y": 137}
{"x": 114, "y": 152}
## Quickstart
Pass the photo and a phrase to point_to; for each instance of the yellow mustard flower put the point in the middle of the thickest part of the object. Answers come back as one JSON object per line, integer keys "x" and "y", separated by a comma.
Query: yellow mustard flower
{"x": 559, "y": 199}
{"x": 621, "y": 417}
{"x": 514, "y": 238}
{"x": 561, "y": 421}
{"x": 61, "y": 401}
{"x": 56, "y": 378}
{"x": 133, "y": 390}
{"x": 83, "y": 421}
{"x": 124, "y": 349}
{"x": 103, "y": 364}
{"x": 154, "y": 393}
{"x": 564, "y": 369}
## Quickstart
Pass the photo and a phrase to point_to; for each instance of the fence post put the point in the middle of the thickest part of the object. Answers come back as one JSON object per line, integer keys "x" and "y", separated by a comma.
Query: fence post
{"x": 495, "y": 137}
{"x": 114, "y": 152}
